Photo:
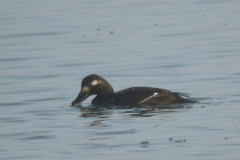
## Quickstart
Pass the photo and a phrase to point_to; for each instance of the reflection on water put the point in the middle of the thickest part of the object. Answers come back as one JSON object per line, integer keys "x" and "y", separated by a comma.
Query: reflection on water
{"x": 132, "y": 110}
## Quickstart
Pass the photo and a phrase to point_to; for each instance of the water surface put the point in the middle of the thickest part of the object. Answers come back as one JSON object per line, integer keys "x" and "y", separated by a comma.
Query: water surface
{"x": 48, "y": 47}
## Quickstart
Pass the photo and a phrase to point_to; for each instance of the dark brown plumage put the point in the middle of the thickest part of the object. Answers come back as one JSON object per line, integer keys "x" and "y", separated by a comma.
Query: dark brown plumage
{"x": 96, "y": 85}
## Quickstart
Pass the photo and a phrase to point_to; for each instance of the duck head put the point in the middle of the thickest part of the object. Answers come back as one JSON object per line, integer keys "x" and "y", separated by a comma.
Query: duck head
{"x": 93, "y": 85}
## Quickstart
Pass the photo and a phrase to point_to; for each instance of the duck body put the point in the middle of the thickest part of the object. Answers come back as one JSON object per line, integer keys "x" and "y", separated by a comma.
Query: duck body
{"x": 96, "y": 85}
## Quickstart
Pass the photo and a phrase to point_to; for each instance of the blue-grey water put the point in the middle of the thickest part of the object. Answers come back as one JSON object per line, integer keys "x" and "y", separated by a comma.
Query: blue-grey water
{"x": 47, "y": 47}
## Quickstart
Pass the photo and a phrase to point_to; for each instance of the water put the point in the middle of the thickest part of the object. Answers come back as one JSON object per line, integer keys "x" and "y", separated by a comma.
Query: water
{"x": 48, "y": 47}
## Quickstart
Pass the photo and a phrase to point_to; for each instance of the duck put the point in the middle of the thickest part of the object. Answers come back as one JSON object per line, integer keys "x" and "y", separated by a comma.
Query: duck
{"x": 95, "y": 85}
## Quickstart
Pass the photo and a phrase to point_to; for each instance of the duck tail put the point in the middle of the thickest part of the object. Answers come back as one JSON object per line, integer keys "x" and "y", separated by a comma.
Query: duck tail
{"x": 180, "y": 95}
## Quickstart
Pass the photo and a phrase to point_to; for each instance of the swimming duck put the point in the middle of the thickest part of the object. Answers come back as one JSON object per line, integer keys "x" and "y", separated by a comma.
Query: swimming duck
{"x": 96, "y": 85}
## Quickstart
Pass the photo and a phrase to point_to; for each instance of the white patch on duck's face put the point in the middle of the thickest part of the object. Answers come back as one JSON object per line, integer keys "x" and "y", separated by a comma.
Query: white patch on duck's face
{"x": 94, "y": 82}
{"x": 85, "y": 89}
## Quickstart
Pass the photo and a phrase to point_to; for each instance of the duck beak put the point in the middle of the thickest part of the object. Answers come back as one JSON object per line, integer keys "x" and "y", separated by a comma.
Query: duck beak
{"x": 81, "y": 97}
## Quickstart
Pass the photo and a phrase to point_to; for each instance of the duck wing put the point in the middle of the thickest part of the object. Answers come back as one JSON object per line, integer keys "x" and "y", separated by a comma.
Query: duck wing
{"x": 140, "y": 95}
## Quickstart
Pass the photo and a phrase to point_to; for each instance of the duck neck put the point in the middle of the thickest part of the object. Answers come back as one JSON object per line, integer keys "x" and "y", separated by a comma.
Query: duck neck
{"x": 105, "y": 90}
